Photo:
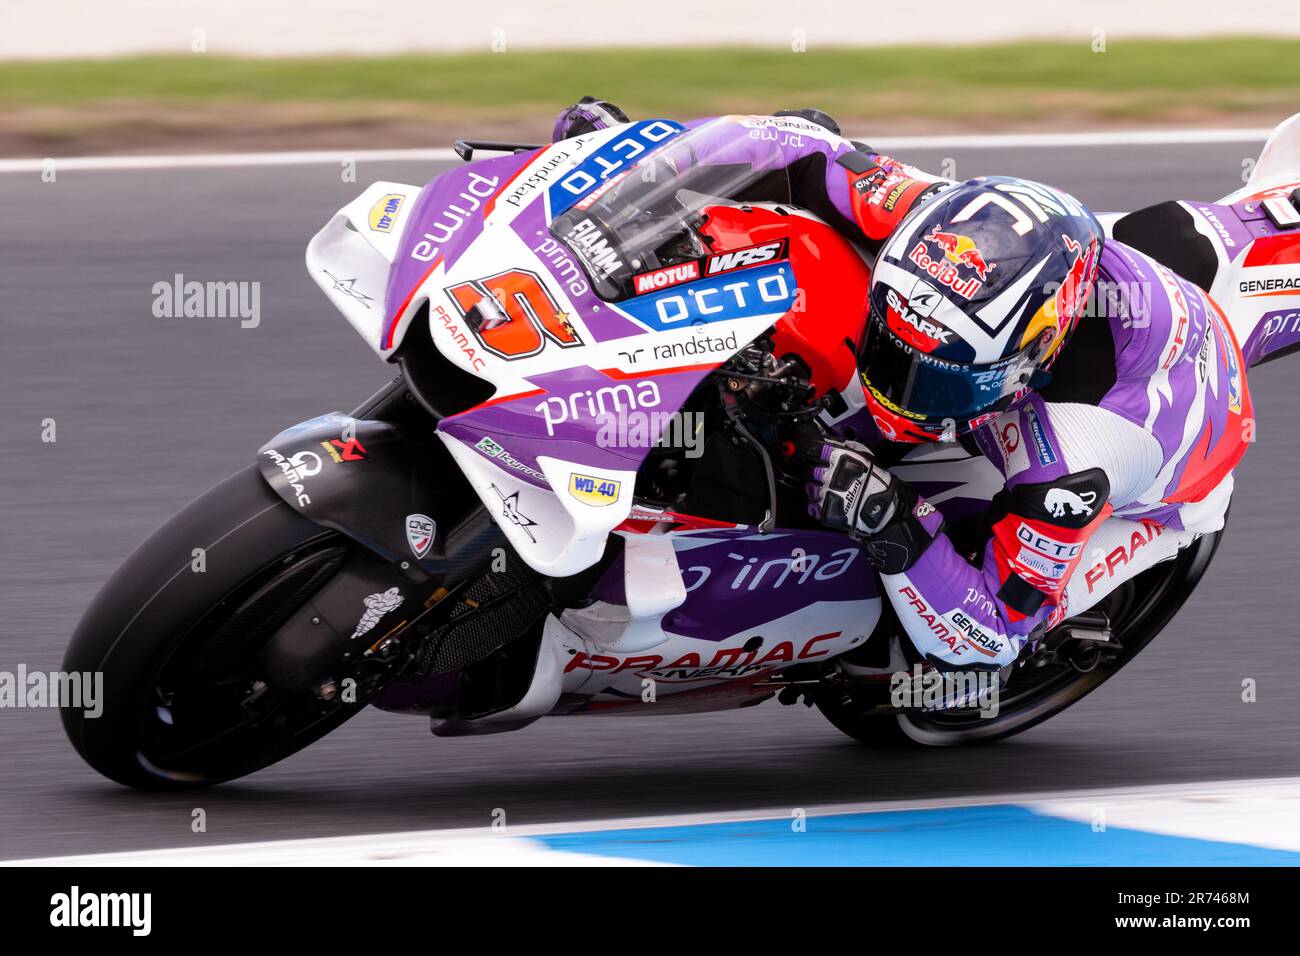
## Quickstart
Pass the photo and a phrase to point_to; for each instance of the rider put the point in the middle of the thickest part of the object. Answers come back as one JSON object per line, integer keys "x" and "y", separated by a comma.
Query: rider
{"x": 1115, "y": 431}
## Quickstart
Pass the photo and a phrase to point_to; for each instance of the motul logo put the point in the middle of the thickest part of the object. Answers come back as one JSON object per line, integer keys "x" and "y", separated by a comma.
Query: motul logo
{"x": 663, "y": 278}
{"x": 754, "y": 255}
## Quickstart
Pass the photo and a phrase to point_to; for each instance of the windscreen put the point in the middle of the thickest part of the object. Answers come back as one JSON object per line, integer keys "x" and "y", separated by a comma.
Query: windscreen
{"x": 647, "y": 217}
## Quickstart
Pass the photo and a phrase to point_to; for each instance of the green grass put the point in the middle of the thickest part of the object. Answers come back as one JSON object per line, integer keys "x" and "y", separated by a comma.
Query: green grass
{"x": 1131, "y": 78}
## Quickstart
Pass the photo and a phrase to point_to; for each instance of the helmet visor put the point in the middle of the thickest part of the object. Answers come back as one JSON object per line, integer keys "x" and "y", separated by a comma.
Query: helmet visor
{"x": 925, "y": 388}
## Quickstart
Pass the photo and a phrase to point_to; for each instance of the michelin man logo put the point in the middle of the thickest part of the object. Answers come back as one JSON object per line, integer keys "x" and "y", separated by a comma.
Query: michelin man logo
{"x": 377, "y": 605}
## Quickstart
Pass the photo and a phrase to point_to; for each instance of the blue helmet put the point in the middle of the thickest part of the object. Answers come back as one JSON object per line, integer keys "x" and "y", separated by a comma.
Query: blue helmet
{"x": 972, "y": 298}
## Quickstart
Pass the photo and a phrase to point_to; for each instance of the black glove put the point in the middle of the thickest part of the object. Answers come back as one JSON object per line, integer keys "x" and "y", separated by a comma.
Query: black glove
{"x": 850, "y": 491}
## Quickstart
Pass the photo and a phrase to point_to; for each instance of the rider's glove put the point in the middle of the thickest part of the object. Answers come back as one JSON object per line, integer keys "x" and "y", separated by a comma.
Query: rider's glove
{"x": 585, "y": 116}
{"x": 850, "y": 491}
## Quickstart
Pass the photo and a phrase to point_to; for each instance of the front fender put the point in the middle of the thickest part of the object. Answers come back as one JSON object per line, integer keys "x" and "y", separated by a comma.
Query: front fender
{"x": 365, "y": 479}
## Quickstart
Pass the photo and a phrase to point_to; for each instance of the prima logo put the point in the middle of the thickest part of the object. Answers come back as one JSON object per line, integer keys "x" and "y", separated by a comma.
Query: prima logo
{"x": 591, "y": 403}
{"x": 750, "y": 574}
{"x": 477, "y": 188}
{"x": 562, "y": 266}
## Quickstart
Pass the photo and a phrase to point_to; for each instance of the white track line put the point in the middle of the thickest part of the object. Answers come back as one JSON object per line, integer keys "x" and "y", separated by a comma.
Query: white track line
{"x": 1157, "y": 137}
{"x": 513, "y": 846}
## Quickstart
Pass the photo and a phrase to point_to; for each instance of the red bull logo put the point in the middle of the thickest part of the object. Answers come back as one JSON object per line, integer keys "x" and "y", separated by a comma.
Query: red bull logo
{"x": 1076, "y": 288}
{"x": 958, "y": 252}
{"x": 961, "y": 250}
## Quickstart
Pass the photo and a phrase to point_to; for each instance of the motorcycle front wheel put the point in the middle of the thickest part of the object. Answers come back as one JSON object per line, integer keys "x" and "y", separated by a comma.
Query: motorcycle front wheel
{"x": 177, "y": 637}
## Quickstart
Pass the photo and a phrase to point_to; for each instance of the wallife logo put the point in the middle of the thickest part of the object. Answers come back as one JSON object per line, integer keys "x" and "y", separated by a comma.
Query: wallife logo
{"x": 76, "y": 909}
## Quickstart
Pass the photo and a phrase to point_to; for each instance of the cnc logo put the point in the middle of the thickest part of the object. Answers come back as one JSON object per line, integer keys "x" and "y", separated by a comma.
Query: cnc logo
{"x": 420, "y": 530}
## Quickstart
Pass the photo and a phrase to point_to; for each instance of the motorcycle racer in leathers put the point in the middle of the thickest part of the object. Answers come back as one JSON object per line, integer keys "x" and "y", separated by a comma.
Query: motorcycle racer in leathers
{"x": 1116, "y": 429}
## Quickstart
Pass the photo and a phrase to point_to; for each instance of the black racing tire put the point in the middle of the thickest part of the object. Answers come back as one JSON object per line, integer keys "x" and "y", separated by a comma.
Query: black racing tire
{"x": 1139, "y": 609}
{"x": 170, "y": 641}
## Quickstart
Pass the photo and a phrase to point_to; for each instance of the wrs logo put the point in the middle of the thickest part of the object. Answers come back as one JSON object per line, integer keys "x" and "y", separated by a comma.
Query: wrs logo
{"x": 752, "y": 256}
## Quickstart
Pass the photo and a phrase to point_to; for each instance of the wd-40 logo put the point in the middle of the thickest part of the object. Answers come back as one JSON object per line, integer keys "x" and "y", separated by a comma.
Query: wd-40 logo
{"x": 762, "y": 290}
{"x": 614, "y": 157}
{"x": 384, "y": 212}
{"x": 597, "y": 492}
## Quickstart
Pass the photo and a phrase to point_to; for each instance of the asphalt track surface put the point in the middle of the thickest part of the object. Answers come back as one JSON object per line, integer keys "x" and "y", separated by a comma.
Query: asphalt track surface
{"x": 151, "y": 411}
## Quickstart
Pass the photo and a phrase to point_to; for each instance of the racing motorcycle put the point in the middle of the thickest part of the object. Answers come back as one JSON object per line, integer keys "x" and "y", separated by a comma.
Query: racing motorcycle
{"x": 578, "y": 494}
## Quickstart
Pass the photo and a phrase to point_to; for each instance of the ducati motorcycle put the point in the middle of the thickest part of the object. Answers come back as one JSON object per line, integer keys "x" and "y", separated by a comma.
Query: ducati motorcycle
{"x": 578, "y": 494}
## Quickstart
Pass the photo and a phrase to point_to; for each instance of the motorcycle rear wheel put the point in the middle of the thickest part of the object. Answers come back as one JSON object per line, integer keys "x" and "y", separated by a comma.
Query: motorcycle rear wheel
{"x": 1138, "y": 610}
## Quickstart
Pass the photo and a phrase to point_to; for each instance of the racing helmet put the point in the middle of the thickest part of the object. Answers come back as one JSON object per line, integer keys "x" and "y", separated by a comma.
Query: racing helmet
{"x": 972, "y": 298}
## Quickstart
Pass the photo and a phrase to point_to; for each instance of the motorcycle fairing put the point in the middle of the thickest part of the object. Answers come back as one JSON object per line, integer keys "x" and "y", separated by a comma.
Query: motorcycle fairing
{"x": 751, "y": 605}
{"x": 350, "y": 259}
{"x": 362, "y": 478}
{"x": 454, "y": 210}
{"x": 543, "y": 453}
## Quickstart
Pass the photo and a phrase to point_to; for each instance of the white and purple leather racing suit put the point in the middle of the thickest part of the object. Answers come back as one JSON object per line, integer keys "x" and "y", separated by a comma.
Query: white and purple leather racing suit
{"x": 1123, "y": 459}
